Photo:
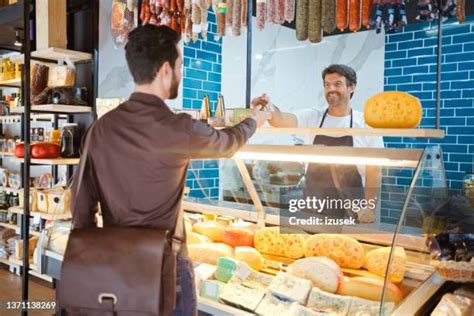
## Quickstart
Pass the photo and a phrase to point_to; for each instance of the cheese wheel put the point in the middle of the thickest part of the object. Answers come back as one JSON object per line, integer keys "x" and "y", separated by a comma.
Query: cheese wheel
{"x": 377, "y": 261}
{"x": 269, "y": 241}
{"x": 210, "y": 229}
{"x": 209, "y": 253}
{"x": 324, "y": 273}
{"x": 240, "y": 234}
{"x": 195, "y": 238}
{"x": 251, "y": 257}
{"x": 345, "y": 251}
{"x": 393, "y": 109}
{"x": 369, "y": 288}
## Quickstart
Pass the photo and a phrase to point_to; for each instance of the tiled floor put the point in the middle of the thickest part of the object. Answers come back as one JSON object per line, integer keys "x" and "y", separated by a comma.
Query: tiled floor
{"x": 10, "y": 290}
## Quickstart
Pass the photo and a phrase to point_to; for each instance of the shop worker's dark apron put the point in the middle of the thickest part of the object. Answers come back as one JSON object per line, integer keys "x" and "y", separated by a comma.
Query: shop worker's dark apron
{"x": 333, "y": 181}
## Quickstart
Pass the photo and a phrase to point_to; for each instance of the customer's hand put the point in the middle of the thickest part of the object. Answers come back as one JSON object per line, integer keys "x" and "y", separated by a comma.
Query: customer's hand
{"x": 260, "y": 115}
{"x": 262, "y": 100}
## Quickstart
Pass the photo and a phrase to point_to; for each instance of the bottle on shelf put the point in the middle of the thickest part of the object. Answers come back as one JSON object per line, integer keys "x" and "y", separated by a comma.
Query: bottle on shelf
{"x": 70, "y": 141}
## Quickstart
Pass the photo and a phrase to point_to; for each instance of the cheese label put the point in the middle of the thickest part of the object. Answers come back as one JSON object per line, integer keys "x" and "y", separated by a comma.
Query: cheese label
{"x": 243, "y": 271}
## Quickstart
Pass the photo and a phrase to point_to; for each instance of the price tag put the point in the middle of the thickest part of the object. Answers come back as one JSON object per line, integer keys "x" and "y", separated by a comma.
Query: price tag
{"x": 243, "y": 271}
{"x": 36, "y": 219}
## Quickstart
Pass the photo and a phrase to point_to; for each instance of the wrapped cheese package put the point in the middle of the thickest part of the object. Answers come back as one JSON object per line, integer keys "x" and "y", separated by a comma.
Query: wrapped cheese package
{"x": 270, "y": 241}
{"x": 242, "y": 297}
{"x": 322, "y": 272}
{"x": 209, "y": 252}
{"x": 393, "y": 109}
{"x": 345, "y": 251}
{"x": 254, "y": 280}
{"x": 62, "y": 75}
{"x": 377, "y": 261}
{"x": 290, "y": 288}
{"x": 210, "y": 229}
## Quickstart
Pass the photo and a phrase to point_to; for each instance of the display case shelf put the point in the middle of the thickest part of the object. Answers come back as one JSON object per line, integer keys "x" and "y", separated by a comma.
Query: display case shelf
{"x": 51, "y": 162}
{"x": 13, "y": 119}
{"x": 54, "y": 109}
{"x": 387, "y": 132}
{"x": 13, "y": 83}
{"x": 54, "y": 54}
{"x": 19, "y": 210}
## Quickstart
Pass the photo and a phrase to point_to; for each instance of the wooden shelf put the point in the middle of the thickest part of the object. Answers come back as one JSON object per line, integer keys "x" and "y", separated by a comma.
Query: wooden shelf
{"x": 54, "y": 108}
{"x": 13, "y": 119}
{"x": 10, "y": 190}
{"x": 6, "y": 154}
{"x": 13, "y": 83}
{"x": 8, "y": 225}
{"x": 387, "y": 132}
{"x": 52, "y": 162}
{"x": 19, "y": 210}
{"x": 333, "y": 155}
{"x": 54, "y": 54}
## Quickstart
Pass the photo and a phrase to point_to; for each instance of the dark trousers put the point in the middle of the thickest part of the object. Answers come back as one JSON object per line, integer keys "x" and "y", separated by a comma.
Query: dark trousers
{"x": 186, "y": 303}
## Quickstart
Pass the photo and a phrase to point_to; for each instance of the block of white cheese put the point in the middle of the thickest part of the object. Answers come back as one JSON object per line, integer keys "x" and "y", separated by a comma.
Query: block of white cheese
{"x": 288, "y": 287}
{"x": 361, "y": 307}
{"x": 323, "y": 272}
{"x": 241, "y": 297}
{"x": 273, "y": 306}
{"x": 329, "y": 303}
{"x": 211, "y": 289}
{"x": 256, "y": 280}
{"x": 454, "y": 305}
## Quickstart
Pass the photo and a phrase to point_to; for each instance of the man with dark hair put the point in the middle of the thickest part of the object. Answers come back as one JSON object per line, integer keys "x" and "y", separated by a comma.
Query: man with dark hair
{"x": 339, "y": 85}
{"x": 140, "y": 151}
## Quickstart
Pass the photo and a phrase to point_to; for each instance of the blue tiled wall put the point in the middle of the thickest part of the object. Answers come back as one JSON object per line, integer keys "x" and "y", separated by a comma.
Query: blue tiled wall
{"x": 202, "y": 75}
{"x": 410, "y": 66}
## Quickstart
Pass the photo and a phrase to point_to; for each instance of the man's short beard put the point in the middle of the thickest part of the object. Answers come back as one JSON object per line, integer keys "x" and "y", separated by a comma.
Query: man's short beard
{"x": 174, "y": 88}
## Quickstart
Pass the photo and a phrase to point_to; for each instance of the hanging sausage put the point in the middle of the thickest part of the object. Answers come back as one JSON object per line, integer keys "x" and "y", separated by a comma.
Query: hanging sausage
{"x": 290, "y": 10}
{"x": 221, "y": 18}
{"x": 314, "y": 23}
{"x": 342, "y": 21}
{"x": 236, "y": 17}
{"x": 302, "y": 20}
{"x": 261, "y": 14}
{"x": 243, "y": 14}
{"x": 328, "y": 20}
{"x": 366, "y": 11}
{"x": 279, "y": 12}
{"x": 355, "y": 7}
{"x": 461, "y": 11}
{"x": 271, "y": 6}
{"x": 229, "y": 13}
{"x": 204, "y": 18}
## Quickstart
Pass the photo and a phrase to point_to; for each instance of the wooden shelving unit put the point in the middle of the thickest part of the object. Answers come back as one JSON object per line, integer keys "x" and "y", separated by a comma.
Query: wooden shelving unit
{"x": 13, "y": 119}
{"x": 54, "y": 108}
{"x": 54, "y": 54}
{"x": 49, "y": 217}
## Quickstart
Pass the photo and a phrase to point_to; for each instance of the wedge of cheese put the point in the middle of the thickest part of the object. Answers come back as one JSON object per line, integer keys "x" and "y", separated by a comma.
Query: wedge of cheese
{"x": 369, "y": 288}
{"x": 288, "y": 287}
{"x": 324, "y": 273}
{"x": 269, "y": 241}
{"x": 361, "y": 307}
{"x": 195, "y": 238}
{"x": 345, "y": 251}
{"x": 209, "y": 252}
{"x": 254, "y": 280}
{"x": 393, "y": 109}
{"x": 241, "y": 296}
{"x": 250, "y": 256}
{"x": 377, "y": 261}
{"x": 211, "y": 229}
{"x": 328, "y": 303}
{"x": 273, "y": 306}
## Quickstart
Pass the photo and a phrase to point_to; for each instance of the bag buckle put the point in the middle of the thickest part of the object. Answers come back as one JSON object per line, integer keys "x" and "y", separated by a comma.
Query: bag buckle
{"x": 105, "y": 296}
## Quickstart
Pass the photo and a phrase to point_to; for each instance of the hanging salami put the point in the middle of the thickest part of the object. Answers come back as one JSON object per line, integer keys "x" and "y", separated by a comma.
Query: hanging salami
{"x": 204, "y": 15}
{"x": 302, "y": 20}
{"x": 188, "y": 32}
{"x": 314, "y": 23}
{"x": 221, "y": 17}
{"x": 366, "y": 11}
{"x": 461, "y": 11}
{"x": 271, "y": 6}
{"x": 355, "y": 7}
{"x": 236, "y": 17}
{"x": 328, "y": 21}
{"x": 279, "y": 12}
{"x": 342, "y": 21}
{"x": 229, "y": 13}
{"x": 289, "y": 10}
{"x": 261, "y": 14}
{"x": 243, "y": 14}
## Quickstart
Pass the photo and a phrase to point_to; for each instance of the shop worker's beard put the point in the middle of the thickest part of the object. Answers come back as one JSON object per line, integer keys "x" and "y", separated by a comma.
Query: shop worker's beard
{"x": 334, "y": 99}
{"x": 174, "y": 87}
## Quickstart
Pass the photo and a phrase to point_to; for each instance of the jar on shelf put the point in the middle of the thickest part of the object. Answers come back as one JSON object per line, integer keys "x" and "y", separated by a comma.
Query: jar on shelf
{"x": 70, "y": 141}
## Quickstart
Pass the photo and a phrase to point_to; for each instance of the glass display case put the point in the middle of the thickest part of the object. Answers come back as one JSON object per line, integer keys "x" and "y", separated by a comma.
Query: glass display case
{"x": 267, "y": 185}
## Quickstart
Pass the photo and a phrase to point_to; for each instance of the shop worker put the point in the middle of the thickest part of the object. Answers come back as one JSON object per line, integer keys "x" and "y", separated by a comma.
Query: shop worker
{"x": 139, "y": 152}
{"x": 339, "y": 85}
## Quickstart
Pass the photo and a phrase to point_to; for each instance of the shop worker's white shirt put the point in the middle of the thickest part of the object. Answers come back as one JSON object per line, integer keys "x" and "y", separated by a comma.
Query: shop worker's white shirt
{"x": 311, "y": 118}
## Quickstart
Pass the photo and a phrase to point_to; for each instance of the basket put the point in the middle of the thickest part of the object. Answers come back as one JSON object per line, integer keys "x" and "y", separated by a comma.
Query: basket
{"x": 455, "y": 271}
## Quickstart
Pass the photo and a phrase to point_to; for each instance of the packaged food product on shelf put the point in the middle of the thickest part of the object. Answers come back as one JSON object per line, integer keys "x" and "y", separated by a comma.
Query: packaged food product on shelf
{"x": 242, "y": 297}
{"x": 210, "y": 229}
{"x": 290, "y": 288}
{"x": 209, "y": 252}
{"x": 323, "y": 301}
{"x": 270, "y": 241}
{"x": 369, "y": 288}
{"x": 377, "y": 261}
{"x": 324, "y": 273}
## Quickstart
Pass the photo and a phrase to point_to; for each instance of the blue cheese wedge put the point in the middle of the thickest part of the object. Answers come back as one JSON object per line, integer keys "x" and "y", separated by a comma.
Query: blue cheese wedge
{"x": 327, "y": 302}
{"x": 290, "y": 288}
{"x": 241, "y": 297}
{"x": 255, "y": 280}
{"x": 298, "y": 310}
{"x": 273, "y": 306}
{"x": 362, "y": 307}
